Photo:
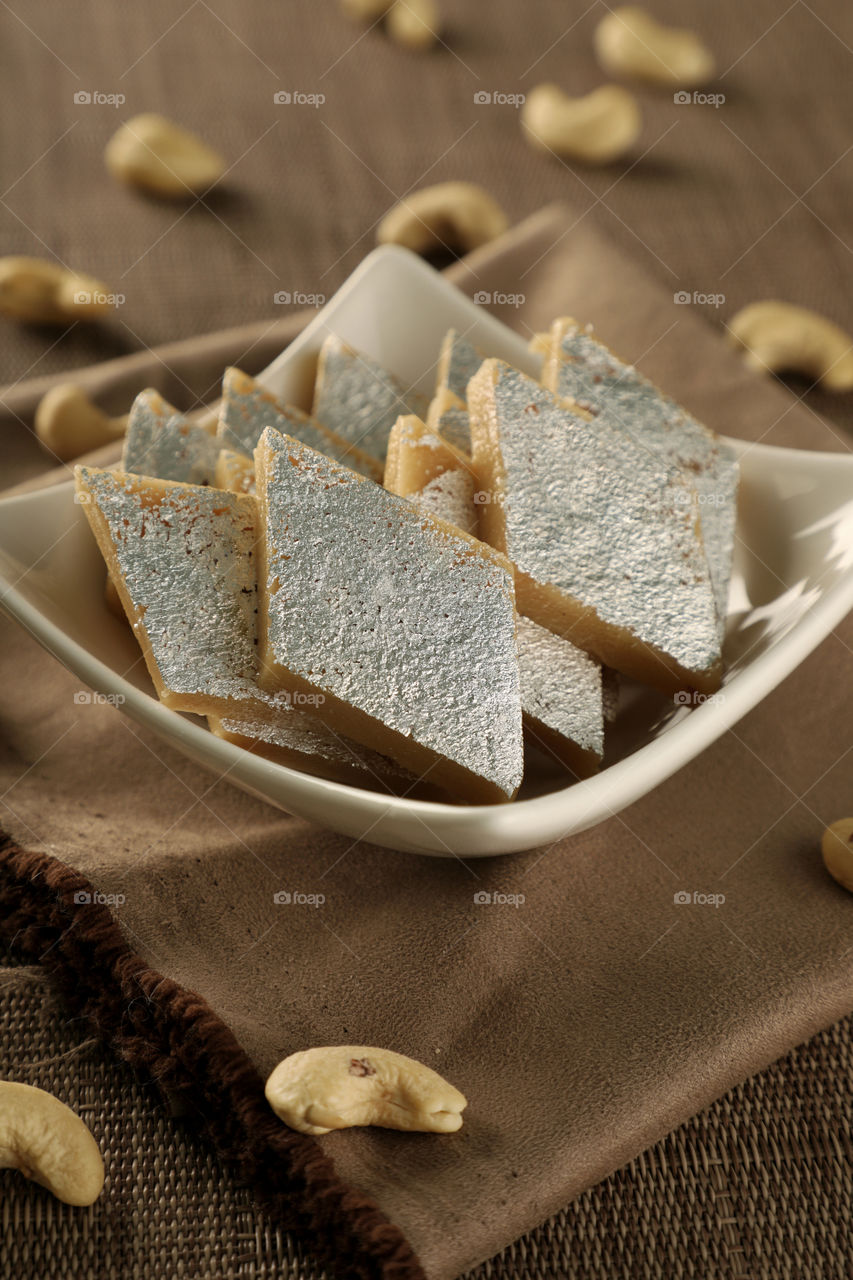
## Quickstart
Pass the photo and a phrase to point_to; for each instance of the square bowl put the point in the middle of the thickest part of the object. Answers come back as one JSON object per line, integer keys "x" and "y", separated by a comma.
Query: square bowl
{"x": 792, "y": 582}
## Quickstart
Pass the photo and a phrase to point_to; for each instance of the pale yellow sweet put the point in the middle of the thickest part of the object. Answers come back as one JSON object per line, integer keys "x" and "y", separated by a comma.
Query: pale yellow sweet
{"x": 416, "y": 455}
{"x": 235, "y": 472}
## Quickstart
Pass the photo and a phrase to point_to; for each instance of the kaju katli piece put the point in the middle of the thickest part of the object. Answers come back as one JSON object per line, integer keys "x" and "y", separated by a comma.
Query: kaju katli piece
{"x": 182, "y": 562}
{"x": 603, "y": 533}
{"x": 165, "y": 444}
{"x": 404, "y": 625}
{"x": 561, "y": 686}
{"x": 248, "y": 407}
{"x": 355, "y": 397}
{"x": 235, "y": 471}
{"x": 429, "y": 471}
{"x": 579, "y": 367}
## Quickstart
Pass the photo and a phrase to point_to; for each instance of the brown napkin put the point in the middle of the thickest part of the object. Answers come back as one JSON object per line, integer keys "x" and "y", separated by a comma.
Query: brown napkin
{"x": 583, "y": 1024}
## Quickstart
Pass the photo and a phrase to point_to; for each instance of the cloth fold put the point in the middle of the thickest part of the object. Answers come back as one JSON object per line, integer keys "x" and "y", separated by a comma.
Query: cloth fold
{"x": 582, "y": 1023}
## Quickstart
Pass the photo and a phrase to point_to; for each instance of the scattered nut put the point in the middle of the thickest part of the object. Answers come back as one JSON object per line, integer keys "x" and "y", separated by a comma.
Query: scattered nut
{"x": 365, "y": 10}
{"x": 837, "y": 850}
{"x": 344, "y": 1085}
{"x": 68, "y": 423}
{"x": 779, "y": 337}
{"x": 456, "y": 215}
{"x": 49, "y": 1143}
{"x": 595, "y": 129}
{"x": 42, "y": 292}
{"x": 414, "y": 23}
{"x": 152, "y": 153}
{"x": 629, "y": 42}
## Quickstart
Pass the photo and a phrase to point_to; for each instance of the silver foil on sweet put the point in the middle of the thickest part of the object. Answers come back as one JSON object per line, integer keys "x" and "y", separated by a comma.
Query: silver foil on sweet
{"x": 597, "y": 516}
{"x": 355, "y": 397}
{"x": 248, "y": 408}
{"x": 595, "y": 379}
{"x": 163, "y": 443}
{"x": 372, "y": 602}
{"x": 560, "y": 686}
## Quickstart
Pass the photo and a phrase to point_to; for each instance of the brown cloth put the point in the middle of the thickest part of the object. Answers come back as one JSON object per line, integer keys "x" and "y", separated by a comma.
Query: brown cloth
{"x": 581, "y": 1025}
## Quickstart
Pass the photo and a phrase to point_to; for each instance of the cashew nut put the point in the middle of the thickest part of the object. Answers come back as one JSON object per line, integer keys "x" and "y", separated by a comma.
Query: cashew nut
{"x": 335, "y": 1088}
{"x": 629, "y": 42}
{"x": 837, "y": 850}
{"x": 42, "y": 292}
{"x": 49, "y": 1143}
{"x": 68, "y": 423}
{"x": 595, "y": 129}
{"x": 365, "y": 10}
{"x": 456, "y": 215}
{"x": 152, "y": 153}
{"x": 777, "y": 336}
{"x": 414, "y": 23}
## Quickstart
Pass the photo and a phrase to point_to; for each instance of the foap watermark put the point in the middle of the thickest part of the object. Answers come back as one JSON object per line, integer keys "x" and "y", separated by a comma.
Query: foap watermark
{"x": 684, "y": 299}
{"x": 483, "y": 898}
{"x": 94, "y": 98}
{"x": 89, "y": 297}
{"x": 298, "y": 698}
{"x": 698, "y": 899}
{"x": 87, "y": 698}
{"x": 497, "y": 98}
{"x": 83, "y": 898}
{"x": 690, "y": 698}
{"x": 284, "y": 298}
{"x": 698, "y": 99}
{"x": 296, "y": 98}
{"x": 703, "y": 498}
{"x": 483, "y": 298}
{"x": 485, "y": 498}
{"x": 286, "y": 898}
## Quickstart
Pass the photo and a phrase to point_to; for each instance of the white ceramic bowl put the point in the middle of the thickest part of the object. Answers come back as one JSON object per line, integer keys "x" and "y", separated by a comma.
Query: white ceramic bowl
{"x": 792, "y": 582}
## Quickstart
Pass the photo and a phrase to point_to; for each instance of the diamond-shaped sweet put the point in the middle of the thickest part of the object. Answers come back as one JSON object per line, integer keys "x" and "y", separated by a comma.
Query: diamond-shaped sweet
{"x": 561, "y": 696}
{"x": 602, "y": 531}
{"x": 294, "y": 737}
{"x": 561, "y": 686}
{"x": 247, "y": 408}
{"x": 181, "y": 559}
{"x": 355, "y": 397}
{"x": 235, "y": 471}
{"x": 458, "y": 361}
{"x": 404, "y": 625}
{"x": 581, "y": 368}
{"x": 425, "y": 468}
{"x": 163, "y": 443}
{"x": 448, "y": 416}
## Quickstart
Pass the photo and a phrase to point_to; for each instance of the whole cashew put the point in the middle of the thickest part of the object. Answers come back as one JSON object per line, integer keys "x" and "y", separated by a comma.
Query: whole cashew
{"x": 629, "y": 42}
{"x": 414, "y": 23}
{"x": 777, "y": 336}
{"x": 42, "y": 292}
{"x": 595, "y": 129}
{"x": 344, "y": 1085}
{"x": 156, "y": 155}
{"x": 837, "y": 850}
{"x": 68, "y": 423}
{"x": 458, "y": 215}
{"x": 49, "y": 1143}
